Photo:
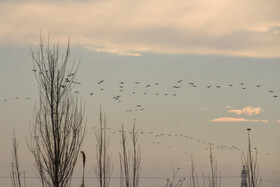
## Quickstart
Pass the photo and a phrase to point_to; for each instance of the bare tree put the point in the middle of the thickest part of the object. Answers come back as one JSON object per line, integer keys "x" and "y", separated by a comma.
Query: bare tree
{"x": 130, "y": 161}
{"x": 251, "y": 165}
{"x": 15, "y": 173}
{"x": 193, "y": 182}
{"x": 214, "y": 180}
{"x": 136, "y": 160}
{"x": 124, "y": 161}
{"x": 58, "y": 131}
{"x": 103, "y": 169}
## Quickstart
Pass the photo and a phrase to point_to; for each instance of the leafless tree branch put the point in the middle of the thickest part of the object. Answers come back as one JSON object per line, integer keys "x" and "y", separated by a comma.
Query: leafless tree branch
{"x": 103, "y": 169}
{"x": 130, "y": 161}
{"x": 58, "y": 131}
{"x": 15, "y": 173}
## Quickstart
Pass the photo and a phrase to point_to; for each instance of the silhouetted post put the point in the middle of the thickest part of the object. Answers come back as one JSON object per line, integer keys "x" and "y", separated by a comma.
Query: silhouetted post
{"x": 84, "y": 163}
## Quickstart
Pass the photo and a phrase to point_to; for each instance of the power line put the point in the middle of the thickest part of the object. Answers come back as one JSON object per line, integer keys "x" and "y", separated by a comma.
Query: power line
{"x": 145, "y": 177}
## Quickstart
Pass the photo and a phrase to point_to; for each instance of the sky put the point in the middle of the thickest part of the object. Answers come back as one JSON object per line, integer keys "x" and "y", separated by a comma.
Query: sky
{"x": 207, "y": 71}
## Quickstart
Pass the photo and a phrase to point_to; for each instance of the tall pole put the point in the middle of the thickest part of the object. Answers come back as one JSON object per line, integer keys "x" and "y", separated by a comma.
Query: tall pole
{"x": 84, "y": 162}
{"x": 250, "y": 157}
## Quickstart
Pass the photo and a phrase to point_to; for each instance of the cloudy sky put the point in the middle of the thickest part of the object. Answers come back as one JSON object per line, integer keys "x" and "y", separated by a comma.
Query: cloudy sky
{"x": 227, "y": 54}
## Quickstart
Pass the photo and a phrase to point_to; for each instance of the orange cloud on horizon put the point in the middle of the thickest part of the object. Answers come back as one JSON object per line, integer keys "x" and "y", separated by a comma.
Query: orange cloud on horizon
{"x": 250, "y": 111}
{"x": 229, "y": 119}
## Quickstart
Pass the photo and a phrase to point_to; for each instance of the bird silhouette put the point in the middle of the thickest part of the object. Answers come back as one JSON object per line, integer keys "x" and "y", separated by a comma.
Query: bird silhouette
{"x": 99, "y": 82}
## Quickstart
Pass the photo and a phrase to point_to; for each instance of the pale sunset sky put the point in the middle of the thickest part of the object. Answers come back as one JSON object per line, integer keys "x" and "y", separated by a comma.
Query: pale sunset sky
{"x": 191, "y": 72}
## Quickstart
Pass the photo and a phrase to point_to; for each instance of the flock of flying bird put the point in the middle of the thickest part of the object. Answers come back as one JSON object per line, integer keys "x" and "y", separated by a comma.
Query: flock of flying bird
{"x": 143, "y": 88}
{"x": 121, "y": 86}
{"x": 160, "y": 138}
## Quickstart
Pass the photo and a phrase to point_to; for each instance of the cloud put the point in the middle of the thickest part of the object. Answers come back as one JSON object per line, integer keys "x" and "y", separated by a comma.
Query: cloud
{"x": 250, "y": 111}
{"x": 229, "y": 119}
{"x": 228, "y": 107}
{"x": 229, "y": 27}
{"x": 264, "y": 121}
{"x": 278, "y": 121}
{"x": 115, "y": 51}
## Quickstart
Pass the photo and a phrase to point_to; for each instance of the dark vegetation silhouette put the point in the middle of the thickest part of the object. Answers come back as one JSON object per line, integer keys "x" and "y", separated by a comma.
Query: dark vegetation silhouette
{"x": 174, "y": 181}
{"x": 130, "y": 160}
{"x": 15, "y": 173}
{"x": 103, "y": 168}
{"x": 214, "y": 179}
{"x": 193, "y": 178}
{"x": 58, "y": 131}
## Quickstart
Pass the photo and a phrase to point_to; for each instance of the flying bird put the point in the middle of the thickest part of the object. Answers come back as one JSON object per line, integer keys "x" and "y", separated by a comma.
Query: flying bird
{"x": 100, "y": 82}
